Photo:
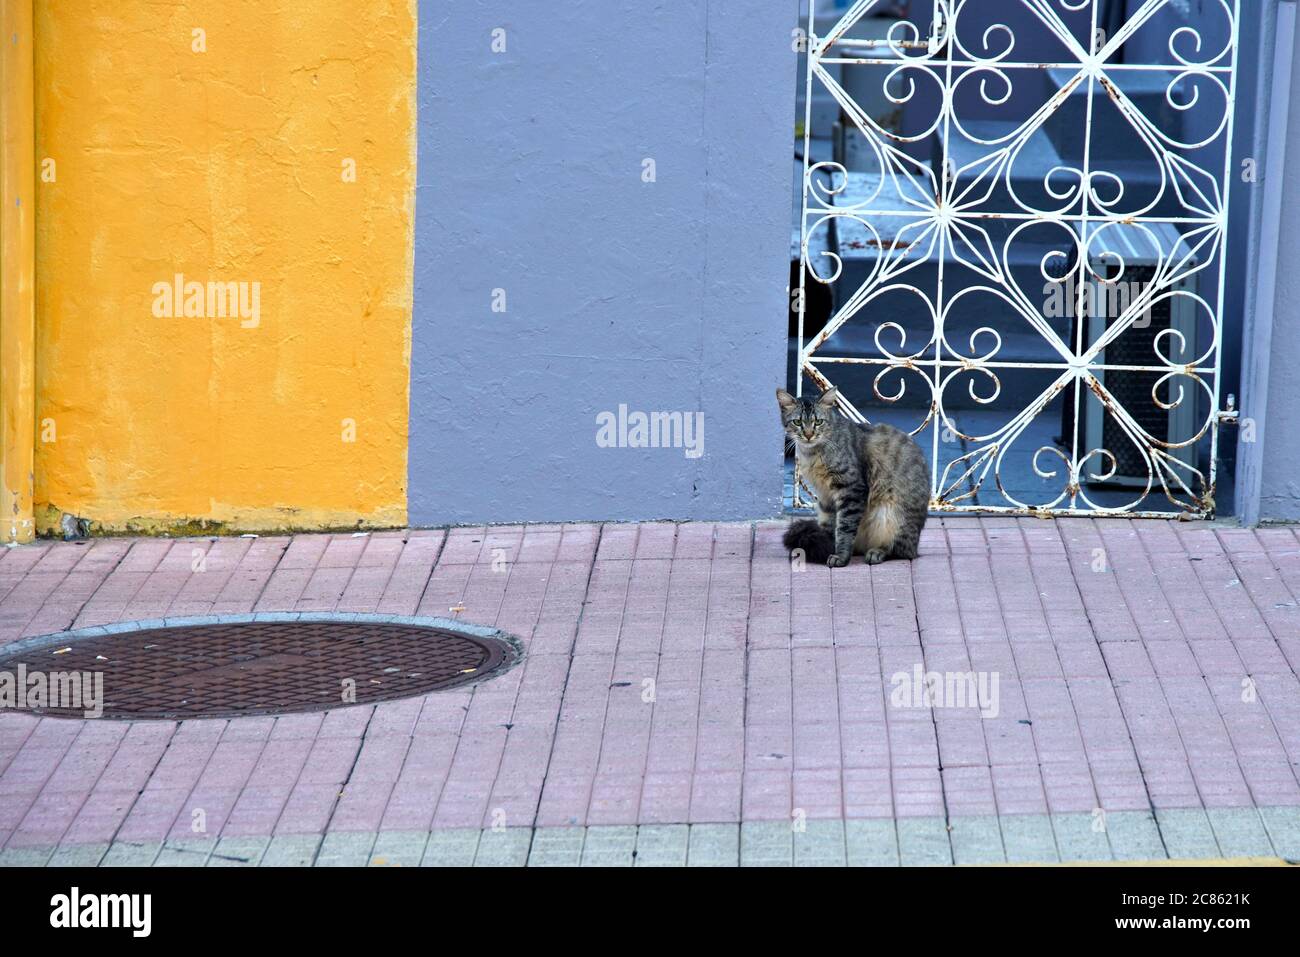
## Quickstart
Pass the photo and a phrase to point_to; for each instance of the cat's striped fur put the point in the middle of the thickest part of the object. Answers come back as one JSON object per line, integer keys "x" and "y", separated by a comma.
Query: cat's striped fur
{"x": 872, "y": 484}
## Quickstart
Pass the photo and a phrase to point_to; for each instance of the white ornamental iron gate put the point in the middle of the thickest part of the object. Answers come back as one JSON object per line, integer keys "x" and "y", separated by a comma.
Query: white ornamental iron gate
{"x": 1043, "y": 250}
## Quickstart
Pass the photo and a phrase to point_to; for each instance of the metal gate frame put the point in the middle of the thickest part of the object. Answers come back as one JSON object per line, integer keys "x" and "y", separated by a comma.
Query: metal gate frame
{"x": 946, "y": 214}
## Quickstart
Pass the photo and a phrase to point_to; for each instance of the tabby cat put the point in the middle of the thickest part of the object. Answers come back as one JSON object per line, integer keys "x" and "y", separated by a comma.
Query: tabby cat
{"x": 872, "y": 484}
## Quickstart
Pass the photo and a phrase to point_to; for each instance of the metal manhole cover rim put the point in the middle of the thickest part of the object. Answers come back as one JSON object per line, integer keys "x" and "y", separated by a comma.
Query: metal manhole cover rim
{"x": 513, "y": 652}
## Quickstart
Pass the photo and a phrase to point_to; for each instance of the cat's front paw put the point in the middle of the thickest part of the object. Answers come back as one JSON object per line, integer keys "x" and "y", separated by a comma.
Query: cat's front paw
{"x": 876, "y": 555}
{"x": 836, "y": 561}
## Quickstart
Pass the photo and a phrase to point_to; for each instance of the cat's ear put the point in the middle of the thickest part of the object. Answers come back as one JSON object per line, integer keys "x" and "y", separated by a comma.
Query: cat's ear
{"x": 785, "y": 400}
{"x": 829, "y": 398}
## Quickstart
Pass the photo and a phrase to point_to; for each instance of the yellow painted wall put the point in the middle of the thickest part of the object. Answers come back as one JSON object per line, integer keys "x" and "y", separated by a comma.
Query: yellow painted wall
{"x": 224, "y": 165}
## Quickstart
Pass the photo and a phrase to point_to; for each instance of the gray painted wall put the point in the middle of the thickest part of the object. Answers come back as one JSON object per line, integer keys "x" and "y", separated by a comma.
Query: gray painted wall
{"x": 663, "y": 296}
{"x": 1268, "y": 469}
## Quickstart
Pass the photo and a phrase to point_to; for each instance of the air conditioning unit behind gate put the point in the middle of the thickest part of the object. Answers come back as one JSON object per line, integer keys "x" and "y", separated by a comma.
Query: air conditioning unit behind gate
{"x": 1142, "y": 250}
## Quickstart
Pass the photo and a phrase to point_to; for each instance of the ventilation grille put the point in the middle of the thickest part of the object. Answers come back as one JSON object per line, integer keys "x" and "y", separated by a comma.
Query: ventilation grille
{"x": 1136, "y": 346}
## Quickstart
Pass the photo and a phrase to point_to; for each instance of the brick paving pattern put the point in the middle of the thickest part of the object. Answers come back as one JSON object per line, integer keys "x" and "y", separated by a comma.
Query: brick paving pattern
{"x": 688, "y": 696}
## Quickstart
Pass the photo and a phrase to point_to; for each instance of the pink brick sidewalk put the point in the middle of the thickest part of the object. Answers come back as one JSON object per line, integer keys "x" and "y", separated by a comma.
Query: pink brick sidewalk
{"x": 685, "y": 673}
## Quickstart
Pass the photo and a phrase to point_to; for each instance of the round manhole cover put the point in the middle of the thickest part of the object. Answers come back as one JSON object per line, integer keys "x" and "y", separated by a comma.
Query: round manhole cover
{"x": 249, "y": 665}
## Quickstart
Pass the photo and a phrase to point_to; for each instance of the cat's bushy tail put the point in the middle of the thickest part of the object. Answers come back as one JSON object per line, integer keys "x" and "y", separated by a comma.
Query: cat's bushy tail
{"x": 818, "y": 543}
